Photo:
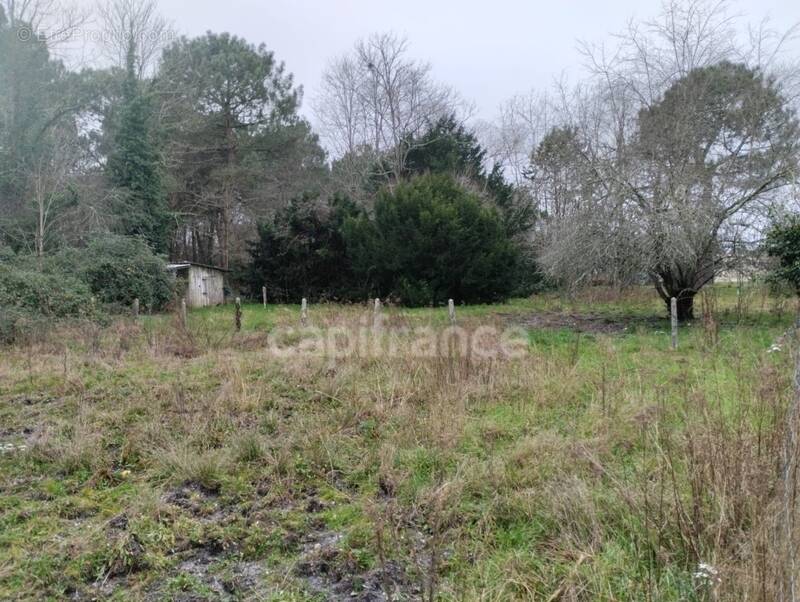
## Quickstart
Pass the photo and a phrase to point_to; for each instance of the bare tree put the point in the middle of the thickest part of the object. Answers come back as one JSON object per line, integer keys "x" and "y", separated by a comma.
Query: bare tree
{"x": 523, "y": 121}
{"x": 375, "y": 99}
{"x": 50, "y": 182}
{"x": 52, "y": 20}
{"x": 137, "y": 22}
{"x": 686, "y": 136}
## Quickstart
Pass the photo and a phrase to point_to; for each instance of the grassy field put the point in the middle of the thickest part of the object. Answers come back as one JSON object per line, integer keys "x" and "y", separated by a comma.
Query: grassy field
{"x": 156, "y": 461}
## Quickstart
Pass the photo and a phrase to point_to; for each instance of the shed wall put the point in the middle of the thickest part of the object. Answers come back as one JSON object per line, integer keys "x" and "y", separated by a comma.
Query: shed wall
{"x": 205, "y": 287}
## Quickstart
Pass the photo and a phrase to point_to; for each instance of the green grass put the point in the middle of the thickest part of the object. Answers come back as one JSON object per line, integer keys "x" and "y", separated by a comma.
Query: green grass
{"x": 161, "y": 462}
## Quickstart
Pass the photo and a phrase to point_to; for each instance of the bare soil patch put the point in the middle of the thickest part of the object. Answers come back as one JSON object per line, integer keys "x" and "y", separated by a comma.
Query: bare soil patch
{"x": 331, "y": 572}
{"x": 585, "y": 323}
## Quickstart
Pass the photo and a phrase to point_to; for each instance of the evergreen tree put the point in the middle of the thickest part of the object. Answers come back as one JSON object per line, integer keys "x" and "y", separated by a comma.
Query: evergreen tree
{"x": 301, "y": 252}
{"x": 448, "y": 147}
{"x": 430, "y": 240}
{"x": 134, "y": 167}
{"x": 233, "y": 126}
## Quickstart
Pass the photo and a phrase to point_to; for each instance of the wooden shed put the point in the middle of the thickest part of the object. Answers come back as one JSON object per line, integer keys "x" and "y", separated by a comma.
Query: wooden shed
{"x": 202, "y": 285}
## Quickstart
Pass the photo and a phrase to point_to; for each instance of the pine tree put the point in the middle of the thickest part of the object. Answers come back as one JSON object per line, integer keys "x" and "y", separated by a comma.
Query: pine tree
{"x": 134, "y": 167}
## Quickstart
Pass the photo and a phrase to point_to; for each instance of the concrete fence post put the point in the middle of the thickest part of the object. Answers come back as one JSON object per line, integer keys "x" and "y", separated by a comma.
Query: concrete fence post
{"x": 451, "y": 310}
{"x": 376, "y": 315}
{"x": 183, "y": 311}
{"x": 135, "y": 308}
{"x": 673, "y": 311}
{"x": 304, "y": 312}
{"x": 264, "y": 295}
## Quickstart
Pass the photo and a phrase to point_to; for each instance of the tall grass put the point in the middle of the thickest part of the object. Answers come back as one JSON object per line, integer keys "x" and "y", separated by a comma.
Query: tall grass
{"x": 599, "y": 467}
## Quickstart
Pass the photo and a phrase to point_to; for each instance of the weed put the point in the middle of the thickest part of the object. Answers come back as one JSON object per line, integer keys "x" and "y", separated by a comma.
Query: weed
{"x": 172, "y": 459}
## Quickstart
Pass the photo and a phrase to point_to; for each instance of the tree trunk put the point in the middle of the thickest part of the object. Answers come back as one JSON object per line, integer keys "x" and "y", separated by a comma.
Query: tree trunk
{"x": 225, "y": 230}
{"x": 40, "y": 233}
{"x": 685, "y": 302}
{"x": 682, "y": 287}
{"x": 228, "y": 192}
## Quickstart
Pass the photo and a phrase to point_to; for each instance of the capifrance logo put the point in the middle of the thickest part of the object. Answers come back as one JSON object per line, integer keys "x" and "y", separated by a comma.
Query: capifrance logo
{"x": 482, "y": 342}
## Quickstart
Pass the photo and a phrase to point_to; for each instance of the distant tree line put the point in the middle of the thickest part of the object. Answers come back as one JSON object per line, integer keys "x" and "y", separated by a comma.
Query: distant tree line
{"x": 197, "y": 149}
{"x": 664, "y": 164}
{"x": 441, "y": 228}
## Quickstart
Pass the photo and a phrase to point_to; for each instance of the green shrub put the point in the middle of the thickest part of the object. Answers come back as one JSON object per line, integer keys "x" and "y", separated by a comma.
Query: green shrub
{"x": 112, "y": 269}
{"x": 430, "y": 240}
{"x": 118, "y": 269}
{"x": 30, "y": 300}
{"x": 56, "y": 295}
{"x": 783, "y": 243}
{"x": 16, "y": 323}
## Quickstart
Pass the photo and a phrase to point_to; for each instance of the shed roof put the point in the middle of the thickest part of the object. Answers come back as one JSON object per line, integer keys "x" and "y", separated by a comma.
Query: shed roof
{"x": 179, "y": 265}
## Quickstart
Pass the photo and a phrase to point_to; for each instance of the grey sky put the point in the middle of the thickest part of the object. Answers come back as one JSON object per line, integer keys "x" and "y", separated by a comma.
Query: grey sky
{"x": 487, "y": 50}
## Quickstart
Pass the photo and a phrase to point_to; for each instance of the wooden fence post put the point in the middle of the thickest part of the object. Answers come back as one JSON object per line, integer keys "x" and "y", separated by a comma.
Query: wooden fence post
{"x": 135, "y": 309}
{"x": 183, "y": 311}
{"x": 451, "y": 310}
{"x": 304, "y": 311}
{"x": 238, "y": 314}
{"x": 264, "y": 295}
{"x": 673, "y": 311}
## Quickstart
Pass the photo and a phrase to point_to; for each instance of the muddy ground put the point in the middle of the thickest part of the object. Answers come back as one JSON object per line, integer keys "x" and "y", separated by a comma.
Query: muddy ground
{"x": 323, "y": 565}
{"x": 584, "y": 323}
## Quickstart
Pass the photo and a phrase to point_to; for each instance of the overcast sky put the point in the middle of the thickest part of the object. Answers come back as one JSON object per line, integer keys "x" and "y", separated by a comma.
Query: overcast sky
{"x": 488, "y": 50}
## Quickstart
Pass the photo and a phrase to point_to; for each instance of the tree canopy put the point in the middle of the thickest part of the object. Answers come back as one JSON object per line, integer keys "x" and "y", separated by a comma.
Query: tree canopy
{"x": 231, "y": 120}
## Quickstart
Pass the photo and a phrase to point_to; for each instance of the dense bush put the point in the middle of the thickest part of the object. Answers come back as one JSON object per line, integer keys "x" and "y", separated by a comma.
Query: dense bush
{"x": 119, "y": 269}
{"x": 301, "y": 253}
{"x": 111, "y": 269}
{"x": 30, "y": 300}
{"x": 430, "y": 240}
{"x": 56, "y": 295}
{"x": 783, "y": 243}
{"x": 12, "y": 321}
